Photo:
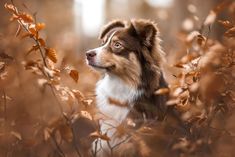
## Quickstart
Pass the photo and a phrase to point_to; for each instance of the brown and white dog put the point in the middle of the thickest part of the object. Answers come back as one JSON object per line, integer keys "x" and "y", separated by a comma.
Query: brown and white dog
{"x": 130, "y": 58}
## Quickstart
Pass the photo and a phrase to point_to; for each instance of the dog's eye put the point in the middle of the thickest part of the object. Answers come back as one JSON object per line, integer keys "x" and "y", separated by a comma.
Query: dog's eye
{"x": 117, "y": 45}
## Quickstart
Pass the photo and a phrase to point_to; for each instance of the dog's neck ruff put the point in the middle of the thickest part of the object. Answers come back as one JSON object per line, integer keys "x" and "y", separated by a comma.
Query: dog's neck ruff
{"x": 115, "y": 98}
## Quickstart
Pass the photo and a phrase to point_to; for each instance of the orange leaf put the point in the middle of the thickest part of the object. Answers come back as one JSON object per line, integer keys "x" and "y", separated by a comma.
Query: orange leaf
{"x": 74, "y": 74}
{"x": 226, "y": 24}
{"x": 42, "y": 42}
{"x": 51, "y": 54}
{"x": 33, "y": 31}
{"x": 96, "y": 134}
{"x": 230, "y": 33}
{"x": 10, "y": 8}
{"x": 40, "y": 26}
{"x": 14, "y": 17}
{"x": 26, "y": 17}
{"x": 26, "y": 35}
{"x": 162, "y": 91}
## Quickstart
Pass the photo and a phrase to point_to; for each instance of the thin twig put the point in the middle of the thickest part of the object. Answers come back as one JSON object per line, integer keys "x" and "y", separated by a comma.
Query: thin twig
{"x": 5, "y": 106}
{"x": 61, "y": 153}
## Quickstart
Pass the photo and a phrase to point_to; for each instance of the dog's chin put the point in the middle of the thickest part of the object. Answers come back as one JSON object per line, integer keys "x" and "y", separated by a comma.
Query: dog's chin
{"x": 102, "y": 68}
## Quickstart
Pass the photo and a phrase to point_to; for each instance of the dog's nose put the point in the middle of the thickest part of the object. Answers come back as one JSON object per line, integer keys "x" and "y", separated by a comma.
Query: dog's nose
{"x": 90, "y": 54}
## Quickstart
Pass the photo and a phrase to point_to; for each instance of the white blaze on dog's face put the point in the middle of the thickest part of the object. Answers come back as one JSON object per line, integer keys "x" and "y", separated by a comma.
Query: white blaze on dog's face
{"x": 123, "y": 50}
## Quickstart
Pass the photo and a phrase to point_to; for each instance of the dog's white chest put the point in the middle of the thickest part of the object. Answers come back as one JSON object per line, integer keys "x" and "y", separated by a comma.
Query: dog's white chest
{"x": 113, "y": 87}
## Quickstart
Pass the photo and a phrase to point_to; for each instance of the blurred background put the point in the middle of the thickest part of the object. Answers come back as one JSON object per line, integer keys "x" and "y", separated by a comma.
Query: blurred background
{"x": 28, "y": 109}
{"x": 75, "y": 24}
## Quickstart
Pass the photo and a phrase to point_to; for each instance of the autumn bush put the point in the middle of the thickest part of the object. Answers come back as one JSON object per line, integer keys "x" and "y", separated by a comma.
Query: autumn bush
{"x": 43, "y": 112}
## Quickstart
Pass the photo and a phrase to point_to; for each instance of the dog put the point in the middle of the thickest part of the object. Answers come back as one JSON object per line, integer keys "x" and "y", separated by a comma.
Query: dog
{"x": 130, "y": 59}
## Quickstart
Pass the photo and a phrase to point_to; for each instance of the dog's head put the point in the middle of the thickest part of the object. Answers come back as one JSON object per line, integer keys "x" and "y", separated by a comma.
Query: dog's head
{"x": 129, "y": 50}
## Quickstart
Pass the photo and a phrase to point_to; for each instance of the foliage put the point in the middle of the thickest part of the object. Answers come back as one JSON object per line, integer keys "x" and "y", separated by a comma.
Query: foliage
{"x": 201, "y": 104}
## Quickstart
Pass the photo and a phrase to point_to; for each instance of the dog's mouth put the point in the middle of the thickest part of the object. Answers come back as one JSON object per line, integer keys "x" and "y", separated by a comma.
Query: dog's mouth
{"x": 102, "y": 67}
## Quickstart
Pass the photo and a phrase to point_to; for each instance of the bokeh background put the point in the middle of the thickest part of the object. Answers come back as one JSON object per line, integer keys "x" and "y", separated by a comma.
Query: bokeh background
{"x": 31, "y": 123}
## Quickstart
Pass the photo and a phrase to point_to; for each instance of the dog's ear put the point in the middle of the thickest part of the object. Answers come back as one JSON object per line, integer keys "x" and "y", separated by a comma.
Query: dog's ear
{"x": 107, "y": 28}
{"x": 146, "y": 30}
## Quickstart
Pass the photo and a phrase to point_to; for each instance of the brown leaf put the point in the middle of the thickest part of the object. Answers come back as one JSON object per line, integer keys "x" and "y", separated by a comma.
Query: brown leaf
{"x": 96, "y": 134}
{"x": 26, "y": 17}
{"x": 210, "y": 18}
{"x": 16, "y": 134}
{"x": 230, "y": 33}
{"x": 66, "y": 133}
{"x": 51, "y": 54}
{"x": 42, "y": 42}
{"x": 26, "y": 35}
{"x": 226, "y": 23}
{"x": 78, "y": 94}
{"x": 86, "y": 114}
{"x": 3, "y": 55}
{"x": 40, "y": 26}
{"x": 74, "y": 74}
{"x": 47, "y": 133}
{"x": 2, "y": 66}
{"x": 10, "y": 8}
{"x": 33, "y": 31}
{"x": 30, "y": 64}
{"x": 14, "y": 17}
{"x": 162, "y": 91}
{"x": 201, "y": 40}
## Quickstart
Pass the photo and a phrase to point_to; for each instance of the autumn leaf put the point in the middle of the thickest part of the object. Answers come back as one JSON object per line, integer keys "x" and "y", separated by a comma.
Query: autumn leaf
{"x": 42, "y": 42}
{"x": 226, "y": 23}
{"x": 96, "y": 135}
{"x": 2, "y": 66}
{"x": 26, "y": 17}
{"x": 33, "y": 31}
{"x": 86, "y": 114}
{"x": 40, "y": 26}
{"x": 210, "y": 18}
{"x": 74, "y": 75}
{"x": 162, "y": 91}
{"x": 17, "y": 135}
{"x": 26, "y": 35}
{"x": 10, "y": 8}
{"x": 230, "y": 33}
{"x": 51, "y": 54}
{"x": 78, "y": 94}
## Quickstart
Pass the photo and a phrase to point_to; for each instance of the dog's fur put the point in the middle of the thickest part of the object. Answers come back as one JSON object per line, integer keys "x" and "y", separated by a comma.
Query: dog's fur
{"x": 130, "y": 58}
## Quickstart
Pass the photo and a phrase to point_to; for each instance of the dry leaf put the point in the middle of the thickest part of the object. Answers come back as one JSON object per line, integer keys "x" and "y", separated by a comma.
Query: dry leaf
{"x": 42, "y": 42}
{"x": 40, "y": 26}
{"x": 86, "y": 114}
{"x": 96, "y": 134}
{"x": 162, "y": 91}
{"x": 51, "y": 54}
{"x": 210, "y": 18}
{"x": 26, "y": 17}
{"x": 226, "y": 24}
{"x": 10, "y": 8}
{"x": 230, "y": 33}
{"x": 47, "y": 133}
{"x": 17, "y": 135}
{"x": 74, "y": 74}
{"x": 78, "y": 94}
